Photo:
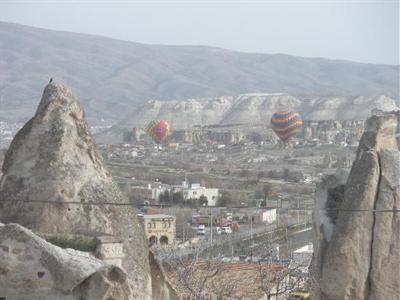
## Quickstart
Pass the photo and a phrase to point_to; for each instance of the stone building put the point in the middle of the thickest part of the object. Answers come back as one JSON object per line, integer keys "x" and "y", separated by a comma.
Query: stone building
{"x": 160, "y": 229}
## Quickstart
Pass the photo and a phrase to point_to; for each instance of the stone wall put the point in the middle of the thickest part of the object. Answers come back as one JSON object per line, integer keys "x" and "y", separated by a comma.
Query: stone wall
{"x": 31, "y": 268}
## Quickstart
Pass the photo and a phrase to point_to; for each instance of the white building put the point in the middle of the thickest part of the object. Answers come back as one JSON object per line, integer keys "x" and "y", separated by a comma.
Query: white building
{"x": 157, "y": 190}
{"x": 268, "y": 216}
{"x": 195, "y": 191}
{"x": 192, "y": 192}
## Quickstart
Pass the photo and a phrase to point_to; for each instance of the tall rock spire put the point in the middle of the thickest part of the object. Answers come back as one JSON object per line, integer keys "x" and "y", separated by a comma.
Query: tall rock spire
{"x": 357, "y": 246}
{"x": 54, "y": 181}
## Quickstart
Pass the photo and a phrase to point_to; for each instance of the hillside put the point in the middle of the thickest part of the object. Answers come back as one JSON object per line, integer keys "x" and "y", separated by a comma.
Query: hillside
{"x": 112, "y": 76}
{"x": 248, "y": 108}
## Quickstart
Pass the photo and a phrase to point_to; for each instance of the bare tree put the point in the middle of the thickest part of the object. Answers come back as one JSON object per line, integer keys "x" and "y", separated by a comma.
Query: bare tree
{"x": 193, "y": 276}
{"x": 203, "y": 276}
{"x": 279, "y": 279}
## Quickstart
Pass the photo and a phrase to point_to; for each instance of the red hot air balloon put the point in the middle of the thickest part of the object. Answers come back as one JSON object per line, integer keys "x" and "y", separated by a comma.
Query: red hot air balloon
{"x": 158, "y": 130}
{"x": 286, "y": 124}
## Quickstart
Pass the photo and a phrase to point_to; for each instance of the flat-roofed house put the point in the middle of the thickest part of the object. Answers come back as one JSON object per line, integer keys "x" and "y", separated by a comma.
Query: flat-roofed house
{"x": 160, "y": 229}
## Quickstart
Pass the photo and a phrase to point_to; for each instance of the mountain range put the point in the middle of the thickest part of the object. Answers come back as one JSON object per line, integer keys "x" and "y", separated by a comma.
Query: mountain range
{"x": 114, "y": 78}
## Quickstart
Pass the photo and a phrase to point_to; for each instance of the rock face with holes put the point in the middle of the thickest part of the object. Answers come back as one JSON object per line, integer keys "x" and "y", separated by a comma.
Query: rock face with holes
{"x": 357, "y": 246}
{"x": 31, "y": 268}
{"x": 54, "y": 181}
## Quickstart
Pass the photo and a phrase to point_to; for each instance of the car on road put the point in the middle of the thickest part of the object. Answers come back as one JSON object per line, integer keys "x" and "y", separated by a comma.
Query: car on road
{"x": 201, "y": 230}
{"x": 226, "y": 230}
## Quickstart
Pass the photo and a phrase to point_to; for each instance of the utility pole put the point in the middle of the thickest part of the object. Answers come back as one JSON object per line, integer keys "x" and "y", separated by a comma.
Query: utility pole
{"x": 230, "y": 235}
{"x": 298, "y": 211}
{"x": 251, "y": 236}
{"x": 183, "y": 231}
{"x": 277, "y": 217}
{"x": 211, "y": 229}
{"x": 251, "y": 229}
{"x": 287, "y": 239}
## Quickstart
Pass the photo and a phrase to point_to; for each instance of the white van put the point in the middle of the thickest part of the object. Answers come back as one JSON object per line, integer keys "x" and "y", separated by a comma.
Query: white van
{"x": 201, "y": 230}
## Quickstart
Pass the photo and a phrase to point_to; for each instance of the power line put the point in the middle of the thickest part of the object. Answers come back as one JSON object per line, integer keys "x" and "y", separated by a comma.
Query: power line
{"x": 84, "y": 203}
{"x": 164, "y": 205}
{"x": 350, "y": 210}
{"x": 206, "y": 2}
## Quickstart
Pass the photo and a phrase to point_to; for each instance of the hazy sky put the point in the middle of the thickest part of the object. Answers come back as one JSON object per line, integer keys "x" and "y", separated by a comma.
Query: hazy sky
{"x": 365, "y": 31}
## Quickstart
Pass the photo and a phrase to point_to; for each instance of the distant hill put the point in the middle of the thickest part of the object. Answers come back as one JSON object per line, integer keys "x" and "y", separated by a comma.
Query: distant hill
{"x": 111, "y": 76}
{"x": 247, "y": 108}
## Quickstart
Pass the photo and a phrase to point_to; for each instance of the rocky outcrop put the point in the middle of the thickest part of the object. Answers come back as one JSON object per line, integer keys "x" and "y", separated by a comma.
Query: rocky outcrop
{"x": 161, "y": 287}
{"x": 252, "y": 109}
{"x": 54, "y": 181}
{"x": 329, "y": 131}
{"x": 357, "y": 225}
{"x": 333, "y": 131}
{"x": 31, "y": 268}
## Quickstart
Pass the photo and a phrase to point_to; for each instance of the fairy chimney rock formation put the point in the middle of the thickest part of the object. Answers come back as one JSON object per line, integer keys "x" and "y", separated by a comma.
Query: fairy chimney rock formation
{"x": 357, "y": 244}
{"x": 53, "y": 162}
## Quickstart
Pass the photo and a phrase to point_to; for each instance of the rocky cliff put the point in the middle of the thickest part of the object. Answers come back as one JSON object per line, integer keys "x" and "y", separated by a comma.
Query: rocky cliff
{"x": 357, "y": 224}
{"x": 256, "y": 108}
{"x": 54, "y": 181}
{"x": 247, "y": 109}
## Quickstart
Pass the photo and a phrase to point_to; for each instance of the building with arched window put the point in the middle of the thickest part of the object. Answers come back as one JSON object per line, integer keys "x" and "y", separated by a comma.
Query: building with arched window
{"x": 160, "y": 229}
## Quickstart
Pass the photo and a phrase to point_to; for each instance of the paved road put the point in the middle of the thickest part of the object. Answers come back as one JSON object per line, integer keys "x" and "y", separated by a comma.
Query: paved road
{"x": 251, "y": 238}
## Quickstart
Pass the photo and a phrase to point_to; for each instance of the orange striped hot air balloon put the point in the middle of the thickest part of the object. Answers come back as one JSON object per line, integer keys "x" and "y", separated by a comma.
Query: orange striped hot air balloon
{"x": 286, "y": 124}
{"x": 158, "y": 130}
